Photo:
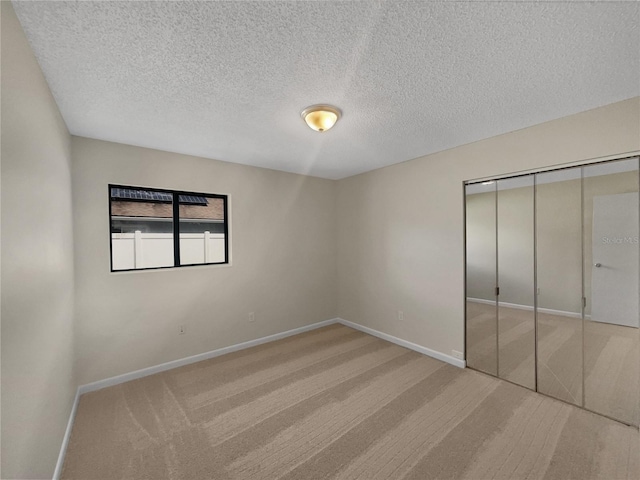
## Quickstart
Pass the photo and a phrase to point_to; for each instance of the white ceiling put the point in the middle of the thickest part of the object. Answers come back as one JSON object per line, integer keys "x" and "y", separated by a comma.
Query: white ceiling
{"x": 228, "y": 80}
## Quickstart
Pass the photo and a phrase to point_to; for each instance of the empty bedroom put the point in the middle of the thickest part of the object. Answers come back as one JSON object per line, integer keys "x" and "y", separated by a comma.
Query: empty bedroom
{"x": 320, "y": 240}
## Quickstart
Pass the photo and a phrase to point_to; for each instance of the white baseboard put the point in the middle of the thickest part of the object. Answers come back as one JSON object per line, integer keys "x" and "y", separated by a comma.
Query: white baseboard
{"x": 126, "y": 377}
{"x": 404, "y": 343}
{"x": 529, "y": 308}
{"x": 65, "y": 440}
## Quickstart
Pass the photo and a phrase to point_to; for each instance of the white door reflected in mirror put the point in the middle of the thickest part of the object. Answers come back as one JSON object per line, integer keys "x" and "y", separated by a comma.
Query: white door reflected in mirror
{"x": 614, "y": 285}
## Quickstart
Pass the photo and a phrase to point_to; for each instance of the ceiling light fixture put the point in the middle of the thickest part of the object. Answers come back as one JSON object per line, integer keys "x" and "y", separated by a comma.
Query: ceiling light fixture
{"x": 320, "y": 117}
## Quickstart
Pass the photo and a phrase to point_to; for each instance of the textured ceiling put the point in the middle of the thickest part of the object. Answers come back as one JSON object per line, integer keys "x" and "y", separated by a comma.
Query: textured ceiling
{"x": 228, "y": 80}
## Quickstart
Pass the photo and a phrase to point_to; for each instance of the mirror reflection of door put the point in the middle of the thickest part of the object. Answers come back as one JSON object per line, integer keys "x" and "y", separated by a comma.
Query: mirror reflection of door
{"x": 614, "y": 276}
{"x": 611, "y": 343}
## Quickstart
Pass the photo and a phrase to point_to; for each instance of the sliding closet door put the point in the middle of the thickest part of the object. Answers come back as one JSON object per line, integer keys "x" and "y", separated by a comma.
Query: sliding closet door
{"x": 559, "y": 282}
{"x": 611, "y": 356}
{"x": 481, "y": 321}
{"x": 516, "y": 298}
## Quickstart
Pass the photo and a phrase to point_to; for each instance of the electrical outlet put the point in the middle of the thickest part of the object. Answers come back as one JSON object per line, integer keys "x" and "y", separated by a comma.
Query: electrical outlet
{"x": 182, "y": 330}
{"x": 457, "y": 354}
{"x": 400, "y": 315}
{"x": 252, "y": 316}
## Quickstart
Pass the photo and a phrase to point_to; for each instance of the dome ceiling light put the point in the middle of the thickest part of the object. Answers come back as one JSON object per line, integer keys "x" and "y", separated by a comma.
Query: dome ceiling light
{"x": 320, "y": 117}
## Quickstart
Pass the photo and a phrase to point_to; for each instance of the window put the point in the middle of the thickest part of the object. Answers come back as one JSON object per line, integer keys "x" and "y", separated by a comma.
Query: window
{"x": 152, "y": 228}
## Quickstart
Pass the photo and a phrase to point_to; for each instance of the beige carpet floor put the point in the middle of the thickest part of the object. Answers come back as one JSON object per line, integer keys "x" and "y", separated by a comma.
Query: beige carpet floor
{"x": 611, "y": 364}
{"x": 337, "y": 403}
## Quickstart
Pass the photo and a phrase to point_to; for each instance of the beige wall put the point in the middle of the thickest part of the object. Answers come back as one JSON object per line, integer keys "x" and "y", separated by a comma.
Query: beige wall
{"x": 515, "y": 245}
{"x": 400, "y": 228}
{"x": 38, "y": 384}
{"x": 481, "y": 247}
{"x": 283, "y": 268}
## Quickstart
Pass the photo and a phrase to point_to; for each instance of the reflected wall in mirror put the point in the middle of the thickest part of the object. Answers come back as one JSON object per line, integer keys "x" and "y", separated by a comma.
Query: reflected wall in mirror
{"x": 611, "y": 340}
{"x": 481, "y": 321}
{"x": 516, "y": 300}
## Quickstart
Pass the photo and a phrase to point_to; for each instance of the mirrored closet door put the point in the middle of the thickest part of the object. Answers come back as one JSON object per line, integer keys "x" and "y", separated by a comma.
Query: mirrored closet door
{"x": 482, "y": 313}
{"x": 516, "y": 299}
{"x": 559, "y": 283}
{"x": 553, "y": 279}
{"x": 499, "y": 226}
{"x": 610, "y": 239}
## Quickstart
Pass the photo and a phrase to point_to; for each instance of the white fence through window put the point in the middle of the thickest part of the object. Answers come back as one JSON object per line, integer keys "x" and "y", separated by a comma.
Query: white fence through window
{"x": 148, "y": 250}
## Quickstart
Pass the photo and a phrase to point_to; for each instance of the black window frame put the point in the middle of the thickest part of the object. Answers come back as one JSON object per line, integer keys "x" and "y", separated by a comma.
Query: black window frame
{"x": 176, "y": 227}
